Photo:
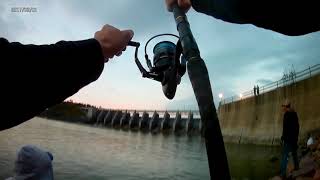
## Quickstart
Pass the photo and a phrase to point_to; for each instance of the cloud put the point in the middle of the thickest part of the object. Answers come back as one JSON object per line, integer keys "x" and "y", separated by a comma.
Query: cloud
{"x": 11, "y": 26}
{"x": 264, "y": 81}
{"x": 237, "y": 56}
{"x": 145, "y": 17}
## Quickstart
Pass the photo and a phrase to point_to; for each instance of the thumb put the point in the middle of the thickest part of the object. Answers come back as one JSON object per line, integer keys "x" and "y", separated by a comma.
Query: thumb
{"x": 127, "y": 35}
{"x": 184, "y": 4}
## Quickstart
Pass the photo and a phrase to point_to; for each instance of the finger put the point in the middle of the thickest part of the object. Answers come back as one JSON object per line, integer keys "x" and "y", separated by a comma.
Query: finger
{"x": 110, "y": 56}
{"x": 169, "y": 4}
{"x": 127, "y": 35}
{"x": 107, "y": 26}
{"x": 184, "y": 4}
{"x": 119, "y": 53}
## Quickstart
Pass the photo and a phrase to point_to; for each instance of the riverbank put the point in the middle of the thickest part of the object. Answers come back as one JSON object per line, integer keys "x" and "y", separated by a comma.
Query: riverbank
{"x": 258, "y": 119}
{"x": 309, "y": 165}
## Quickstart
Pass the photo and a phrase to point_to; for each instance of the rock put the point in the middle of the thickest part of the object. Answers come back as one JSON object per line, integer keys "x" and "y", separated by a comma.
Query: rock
{"x": 276, "y": 178}
{"x": 313, "y": 147}
{"x": 307, "y": 168}
{"x": 307, "y": 160}
{"x": 316, "y": 155}
{"x": 307, "y": 171}
{"x": 290, "y": 168}
{"x": 317, "y": 175}
{"x": 303, "y": 178}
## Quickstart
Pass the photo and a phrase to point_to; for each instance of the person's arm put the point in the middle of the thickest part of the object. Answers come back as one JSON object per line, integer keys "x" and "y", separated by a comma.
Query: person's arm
{"x": 35, "y": 77}
{"x": 285, "y": 128}
{"x": 292, "y": 127}
{"x": 287, "y": 17}
{"x": 282, "y": 137}
{"x": 297, "y": 126}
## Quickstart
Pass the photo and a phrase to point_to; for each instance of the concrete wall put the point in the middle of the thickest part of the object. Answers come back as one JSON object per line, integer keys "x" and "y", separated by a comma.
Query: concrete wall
{"x": 258, "y": 119}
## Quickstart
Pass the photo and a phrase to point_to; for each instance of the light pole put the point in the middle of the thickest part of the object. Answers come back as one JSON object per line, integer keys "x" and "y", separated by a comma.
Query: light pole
{"x": 220, "y": 97}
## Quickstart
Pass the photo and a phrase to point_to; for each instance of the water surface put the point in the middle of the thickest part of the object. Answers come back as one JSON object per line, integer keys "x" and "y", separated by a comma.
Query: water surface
{"x": 84, "y": 152}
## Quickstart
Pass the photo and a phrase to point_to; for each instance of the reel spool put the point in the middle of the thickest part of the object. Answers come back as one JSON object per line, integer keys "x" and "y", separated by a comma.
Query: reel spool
{"x": 168, "y": 67}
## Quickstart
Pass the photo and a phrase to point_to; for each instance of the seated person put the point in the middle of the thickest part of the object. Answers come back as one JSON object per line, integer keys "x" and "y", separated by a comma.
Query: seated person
{"x": 33, "y": 163}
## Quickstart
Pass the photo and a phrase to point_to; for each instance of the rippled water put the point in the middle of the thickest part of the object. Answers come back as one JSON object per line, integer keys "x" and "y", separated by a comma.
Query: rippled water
{"x": 83, "y": 152}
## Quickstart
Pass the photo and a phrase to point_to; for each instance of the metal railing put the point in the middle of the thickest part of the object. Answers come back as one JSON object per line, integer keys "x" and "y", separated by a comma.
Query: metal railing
{"x": 287, "y": 79}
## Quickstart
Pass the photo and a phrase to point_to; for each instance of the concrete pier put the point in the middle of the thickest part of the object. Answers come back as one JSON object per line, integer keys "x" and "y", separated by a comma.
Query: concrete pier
{"x": 101, "y": 117}
{"x": 108, "y": 118}
{"x": 144, "y": 122}
{"x": 180, "y": 124}
{"x": 194, "y": 126}
{"x": 166, "y": 122}
{"x": 134, "y": 121}
{"x": 95, "y": 116}
{"x": 162, "y": 121}
{"x": 155, "y": 124}
{"x": 125, "y": 119}
{"x": 116, "y": 119}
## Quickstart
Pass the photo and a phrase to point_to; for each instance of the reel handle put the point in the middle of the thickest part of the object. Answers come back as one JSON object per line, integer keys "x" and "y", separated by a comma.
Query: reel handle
{"x": 133, "y": 43}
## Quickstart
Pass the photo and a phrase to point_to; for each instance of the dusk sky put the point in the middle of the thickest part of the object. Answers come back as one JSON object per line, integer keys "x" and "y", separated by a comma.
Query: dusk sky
{"x": 237, "y": 56}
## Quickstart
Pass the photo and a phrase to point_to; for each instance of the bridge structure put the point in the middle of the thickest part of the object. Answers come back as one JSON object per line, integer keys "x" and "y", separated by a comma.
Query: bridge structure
{"x": 288, "y": 78}
{"x": 154, "y": 121}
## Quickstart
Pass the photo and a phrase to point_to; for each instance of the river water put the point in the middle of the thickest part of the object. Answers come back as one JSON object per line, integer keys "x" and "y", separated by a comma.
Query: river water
{"x": 84, "y": 152}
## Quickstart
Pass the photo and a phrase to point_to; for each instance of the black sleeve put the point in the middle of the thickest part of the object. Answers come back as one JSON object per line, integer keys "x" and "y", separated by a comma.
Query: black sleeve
{"x": 285, "y": 127}
{"x": 35, "y": 77}
{"x": 297, "y": 126}
{"x": 287, "y": 17}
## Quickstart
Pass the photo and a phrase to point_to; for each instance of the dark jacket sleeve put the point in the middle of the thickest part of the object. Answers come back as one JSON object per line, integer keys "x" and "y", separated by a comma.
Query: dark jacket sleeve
{"x": 296, "y": 127}
{"x": 285, "y": 128}
{"x": 35, "y": 77}
{"x": 287, "y": 17}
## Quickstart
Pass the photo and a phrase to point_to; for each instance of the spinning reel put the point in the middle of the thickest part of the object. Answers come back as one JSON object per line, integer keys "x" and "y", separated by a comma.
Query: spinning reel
{"x": 169, "y": 65}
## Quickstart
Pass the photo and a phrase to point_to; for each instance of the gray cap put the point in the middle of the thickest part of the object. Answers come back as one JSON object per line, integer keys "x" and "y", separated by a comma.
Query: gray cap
{"x": 33, "y": 163}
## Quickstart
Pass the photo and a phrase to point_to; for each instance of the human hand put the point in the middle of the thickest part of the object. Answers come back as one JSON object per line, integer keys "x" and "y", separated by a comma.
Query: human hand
{"x": 183, "y": 4}
{"x": 112, "y": 40}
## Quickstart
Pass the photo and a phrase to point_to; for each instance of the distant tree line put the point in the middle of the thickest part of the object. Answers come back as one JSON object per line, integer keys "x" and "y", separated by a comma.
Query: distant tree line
{"x": 67, "y": 111}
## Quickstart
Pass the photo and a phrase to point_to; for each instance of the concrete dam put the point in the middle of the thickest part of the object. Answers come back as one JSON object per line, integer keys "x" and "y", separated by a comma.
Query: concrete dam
{"x": 258, "y": 119}
{"x": 249, "y": 119}
{"x": 147, "y": 121}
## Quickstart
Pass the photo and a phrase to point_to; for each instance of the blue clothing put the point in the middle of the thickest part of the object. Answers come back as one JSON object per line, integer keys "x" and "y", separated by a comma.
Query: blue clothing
{"x": 287, "y": 148}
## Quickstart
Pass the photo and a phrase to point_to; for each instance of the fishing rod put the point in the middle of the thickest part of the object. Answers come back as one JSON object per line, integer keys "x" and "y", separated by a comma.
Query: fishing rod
{"x": 170, "y": 62}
